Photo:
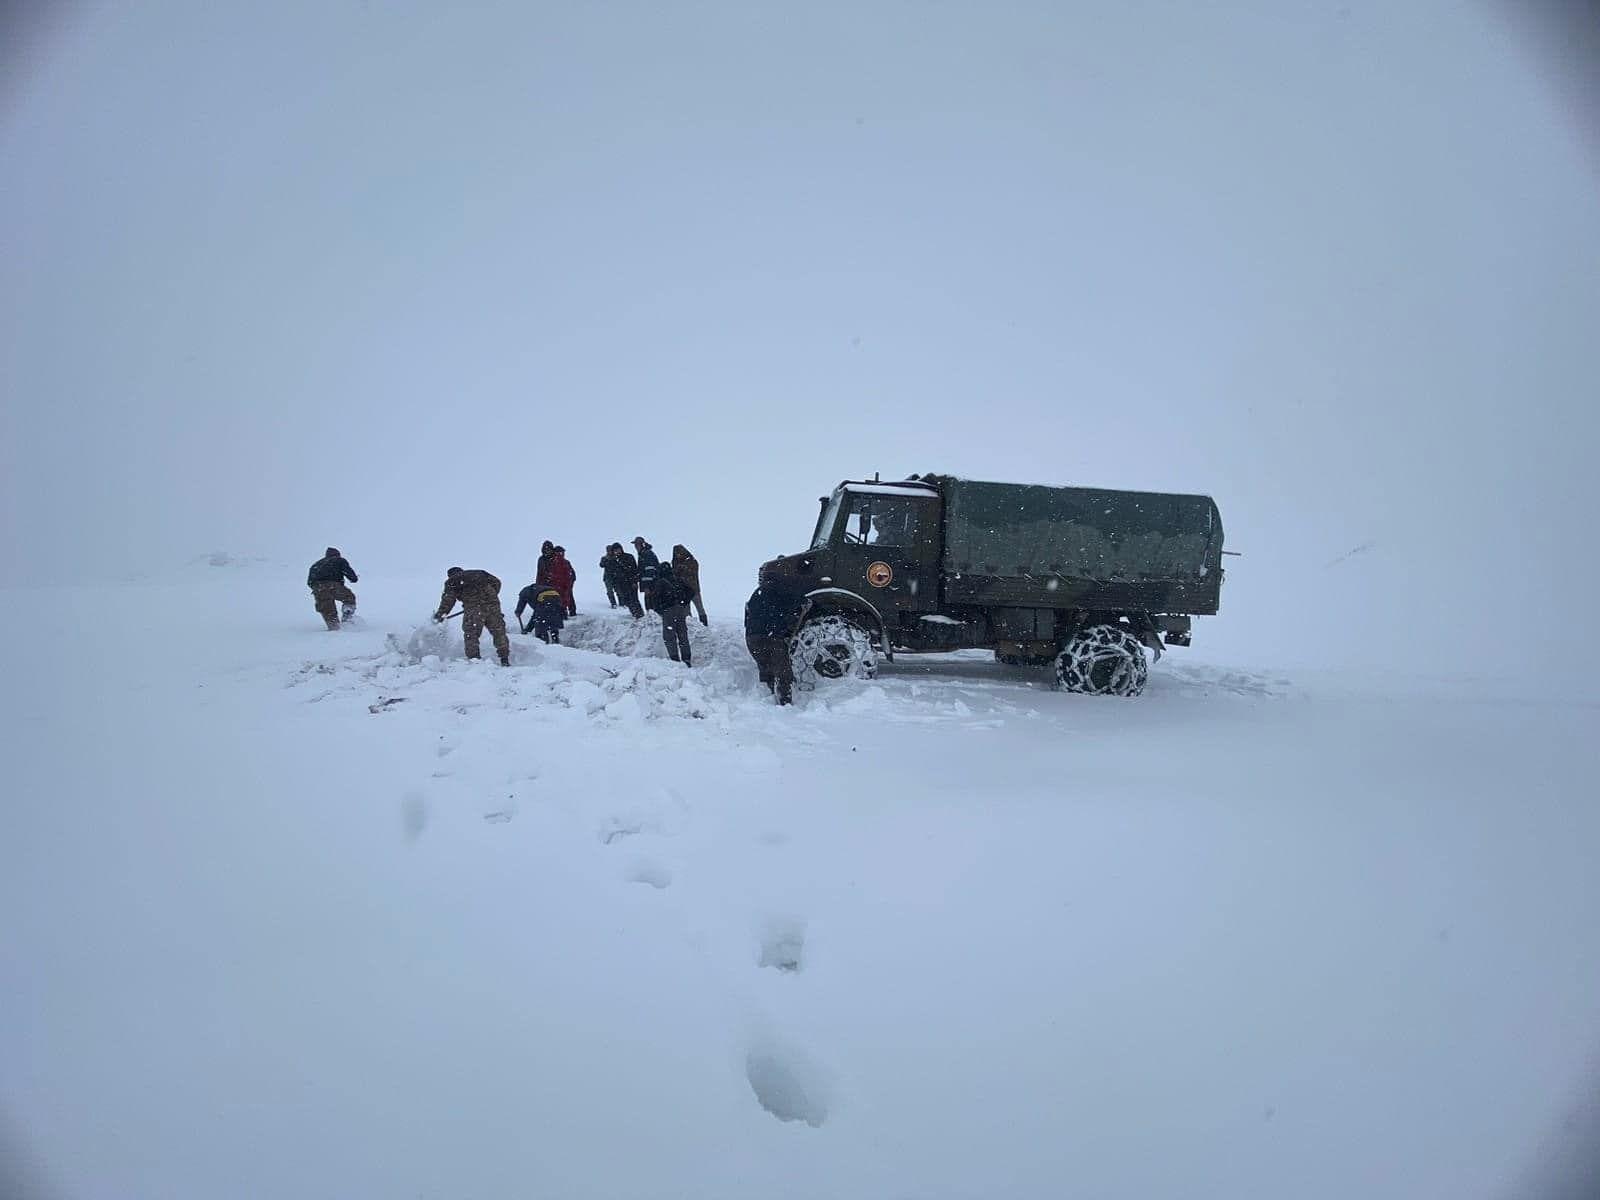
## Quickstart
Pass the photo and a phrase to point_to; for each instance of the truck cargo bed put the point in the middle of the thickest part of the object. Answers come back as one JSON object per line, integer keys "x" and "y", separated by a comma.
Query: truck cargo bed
{"x": 1059, "y": 547}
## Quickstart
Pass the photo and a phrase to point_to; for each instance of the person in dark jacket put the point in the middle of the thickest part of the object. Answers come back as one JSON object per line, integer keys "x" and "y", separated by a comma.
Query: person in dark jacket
{"x": 562, "y": 577}
{"x": 648, "y": 564}
{"x": 479, "y": 594}
{"x": 670, "y": 597}
{"x": 687, "y": 568}
{"x": 771, "y": 616}
{"x": 326, "y": 581}
{"x": 626, "y": 572}
{"x": 548, "y": 612}
{"x": 608, "y": 575}
{"x": 547, "y": 552}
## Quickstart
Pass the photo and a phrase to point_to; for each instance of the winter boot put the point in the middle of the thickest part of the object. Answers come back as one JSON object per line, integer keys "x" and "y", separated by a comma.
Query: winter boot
{"x": 505, "y": 660}
{"x": 349, "y": 611}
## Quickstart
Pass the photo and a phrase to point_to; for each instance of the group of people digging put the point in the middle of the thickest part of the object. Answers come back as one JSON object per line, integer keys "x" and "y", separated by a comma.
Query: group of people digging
{"x": 669, "y": 589}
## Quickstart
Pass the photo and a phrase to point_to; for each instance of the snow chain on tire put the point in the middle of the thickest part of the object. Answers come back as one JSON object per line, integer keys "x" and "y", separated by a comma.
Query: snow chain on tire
{"x": 1103, "y": 660}
{"x": 829, "y": 648}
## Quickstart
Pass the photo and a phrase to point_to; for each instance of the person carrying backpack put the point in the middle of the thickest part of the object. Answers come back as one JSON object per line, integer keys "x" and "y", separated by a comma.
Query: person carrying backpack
{"x": 687, "y": 568}
{"x": 670, "y": 598}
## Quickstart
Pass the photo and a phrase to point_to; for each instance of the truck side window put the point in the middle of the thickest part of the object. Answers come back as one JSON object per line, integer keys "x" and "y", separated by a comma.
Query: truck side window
{"x": 889, "y": 521}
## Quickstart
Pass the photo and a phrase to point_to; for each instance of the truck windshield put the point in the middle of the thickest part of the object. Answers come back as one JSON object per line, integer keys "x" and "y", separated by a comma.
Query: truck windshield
{"x": 828, "y": 519}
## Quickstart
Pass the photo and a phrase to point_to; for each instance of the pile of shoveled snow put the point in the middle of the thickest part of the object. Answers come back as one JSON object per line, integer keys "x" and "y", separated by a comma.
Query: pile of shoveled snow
{"x": 619, "y": 636}
{"x": 719, "y": 644}
{"x": 610, "y": 668}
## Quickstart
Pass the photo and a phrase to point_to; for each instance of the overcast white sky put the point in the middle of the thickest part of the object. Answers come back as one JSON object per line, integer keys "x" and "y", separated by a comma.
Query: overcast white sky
{"x": 434, "y": 282}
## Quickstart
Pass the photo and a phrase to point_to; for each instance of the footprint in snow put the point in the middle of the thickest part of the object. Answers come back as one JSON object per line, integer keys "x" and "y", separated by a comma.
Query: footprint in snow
{"x": 787, "y": 1083}
{"x": 783, "y": 945}
{"x": 413, "y": 815}
{"x": 616, "y": 830}
{"x": 502, "y": 811}
{"x": 645, "y": 870}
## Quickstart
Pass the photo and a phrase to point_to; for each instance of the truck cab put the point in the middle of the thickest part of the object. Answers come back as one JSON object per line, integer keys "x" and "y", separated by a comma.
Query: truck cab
{"x": 881, "y": 542}
{"x": 871, "y": 572}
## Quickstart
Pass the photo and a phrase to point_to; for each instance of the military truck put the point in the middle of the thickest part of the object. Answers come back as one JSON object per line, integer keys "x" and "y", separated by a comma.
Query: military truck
{"x": 1086, "y": 579}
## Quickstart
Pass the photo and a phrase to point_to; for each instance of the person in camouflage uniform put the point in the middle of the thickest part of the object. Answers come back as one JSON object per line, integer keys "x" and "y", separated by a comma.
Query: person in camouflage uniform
{"x": 479, "y": 594}
{"x": 326, "y": 581}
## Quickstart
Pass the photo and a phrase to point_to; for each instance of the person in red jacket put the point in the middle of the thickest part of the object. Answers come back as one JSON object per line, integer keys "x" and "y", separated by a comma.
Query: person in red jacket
{"x": 562, "y": 577}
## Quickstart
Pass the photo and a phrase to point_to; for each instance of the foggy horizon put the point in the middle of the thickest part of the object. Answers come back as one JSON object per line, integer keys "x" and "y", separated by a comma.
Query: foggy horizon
{"x": 434, "y": 286}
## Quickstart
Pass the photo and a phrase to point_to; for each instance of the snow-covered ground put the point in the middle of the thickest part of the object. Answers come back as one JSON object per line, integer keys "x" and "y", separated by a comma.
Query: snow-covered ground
{"x": 290, "y": 913}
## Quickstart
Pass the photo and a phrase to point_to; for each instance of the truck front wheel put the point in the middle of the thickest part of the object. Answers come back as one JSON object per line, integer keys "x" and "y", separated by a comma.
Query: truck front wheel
{"x": 1102, "y": 660}
{"x": 832, "y": 647}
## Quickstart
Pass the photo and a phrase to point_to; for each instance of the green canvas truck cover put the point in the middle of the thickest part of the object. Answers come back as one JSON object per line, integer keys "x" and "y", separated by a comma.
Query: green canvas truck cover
{"x": 1025, "y": 543}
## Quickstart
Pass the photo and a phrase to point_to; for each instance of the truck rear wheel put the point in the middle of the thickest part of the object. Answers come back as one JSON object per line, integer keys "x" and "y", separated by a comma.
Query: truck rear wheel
{"x": 832, "y": 647}
{"x": 1103, "y": 660}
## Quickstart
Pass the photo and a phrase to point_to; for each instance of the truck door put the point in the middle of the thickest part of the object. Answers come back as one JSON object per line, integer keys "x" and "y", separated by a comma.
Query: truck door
{"x": 891, "y": 549}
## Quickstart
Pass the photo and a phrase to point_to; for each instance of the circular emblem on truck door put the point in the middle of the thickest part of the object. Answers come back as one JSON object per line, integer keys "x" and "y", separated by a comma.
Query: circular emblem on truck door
{"x": 879, "y": 574}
